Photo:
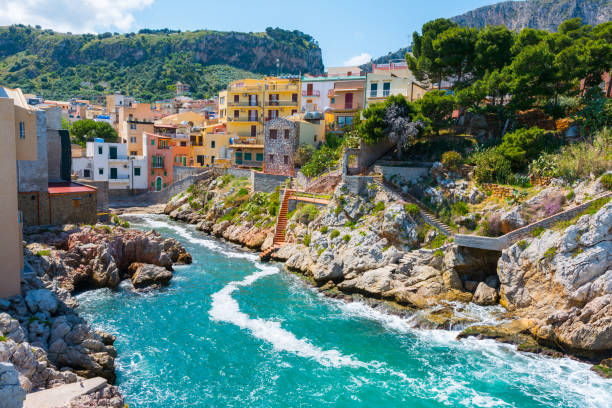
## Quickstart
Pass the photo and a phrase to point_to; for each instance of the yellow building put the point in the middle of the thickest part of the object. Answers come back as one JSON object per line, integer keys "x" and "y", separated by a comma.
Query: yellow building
{"x": 131, "y": 133}
{"x": 189, "y": 117}
{"x": 245, "y": 107}
{"x": 211, "y": 146}
{"x": 19, "y": 140}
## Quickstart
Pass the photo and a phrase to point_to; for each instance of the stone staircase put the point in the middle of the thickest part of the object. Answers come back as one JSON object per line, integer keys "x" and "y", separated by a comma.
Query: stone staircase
{"x": 281, "y": 225}
{"x": 425, "y": 212}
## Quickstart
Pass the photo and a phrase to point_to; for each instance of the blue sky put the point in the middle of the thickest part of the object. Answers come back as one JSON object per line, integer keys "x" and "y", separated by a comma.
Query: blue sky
{"x": 347, "y": 31}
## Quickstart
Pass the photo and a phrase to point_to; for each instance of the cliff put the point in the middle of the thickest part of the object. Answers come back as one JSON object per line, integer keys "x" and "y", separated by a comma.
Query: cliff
{"x": 147, "y": 64}
{"x": 540, "y": 14}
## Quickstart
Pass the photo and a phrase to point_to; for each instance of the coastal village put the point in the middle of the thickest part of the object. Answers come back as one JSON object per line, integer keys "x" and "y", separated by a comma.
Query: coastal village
{"x": 374, "y": 183}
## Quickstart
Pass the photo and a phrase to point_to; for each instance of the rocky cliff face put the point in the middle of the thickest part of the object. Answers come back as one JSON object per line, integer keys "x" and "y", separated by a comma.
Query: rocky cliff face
{"x": 540, "y": 14}
{"x": 562, "y": 282}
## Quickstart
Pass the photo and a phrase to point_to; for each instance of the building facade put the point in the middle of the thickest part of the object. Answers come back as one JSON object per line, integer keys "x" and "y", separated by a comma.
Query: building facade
{"x": 158, "y": 152}
{"x": 345, "y": 100}
{"x": 392, "y": 79}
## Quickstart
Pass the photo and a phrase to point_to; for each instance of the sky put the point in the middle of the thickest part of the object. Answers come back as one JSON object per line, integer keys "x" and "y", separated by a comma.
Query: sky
{"x": 348, "y": 32}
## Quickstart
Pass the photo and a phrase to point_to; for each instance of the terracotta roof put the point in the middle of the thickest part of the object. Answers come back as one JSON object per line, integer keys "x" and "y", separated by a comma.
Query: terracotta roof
{"x": 68, "y": 187}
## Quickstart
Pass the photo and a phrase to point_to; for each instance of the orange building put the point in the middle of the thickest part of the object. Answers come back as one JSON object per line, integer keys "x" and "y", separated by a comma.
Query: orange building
{"x": 158, "y": 151}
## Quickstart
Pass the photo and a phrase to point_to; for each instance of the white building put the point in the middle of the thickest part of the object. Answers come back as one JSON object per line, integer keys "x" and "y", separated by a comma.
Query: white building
{"x": 110, "y": 162}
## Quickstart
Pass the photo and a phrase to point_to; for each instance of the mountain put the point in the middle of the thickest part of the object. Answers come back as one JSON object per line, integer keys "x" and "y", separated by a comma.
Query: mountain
{"x": 392, "y": 56}
{"x": 147, "y": 64}
{"x": 540, "y": 14}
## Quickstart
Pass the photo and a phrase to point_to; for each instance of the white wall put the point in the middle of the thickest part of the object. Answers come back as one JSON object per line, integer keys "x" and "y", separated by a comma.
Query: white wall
{"x": 79, "y": 164}
{"x": 322, "y": 101}
{"x": 141, "y": 182}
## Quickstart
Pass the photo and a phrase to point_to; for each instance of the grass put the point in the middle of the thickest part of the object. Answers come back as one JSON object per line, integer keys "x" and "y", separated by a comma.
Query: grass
{"x": 537, "y": 232}
{"x": 320, "y": 251}
{"x": 380, "y": 206}
{"x": 306, "y": 240}
{"x": 439, "y": 253}
{"x": 44, "y": 252}
{"x": 437, "y": 242}
{"x": 412, "y": 209}
{"x": 522, "y": 244}
{"x": 592, "y": 209}
{"x": 350, "y": 224}
{"x": 550, "y": 253}
{"x": 334, "y": 234}
{"x": 324, "y": 229}
{"x": 3, "y": 338}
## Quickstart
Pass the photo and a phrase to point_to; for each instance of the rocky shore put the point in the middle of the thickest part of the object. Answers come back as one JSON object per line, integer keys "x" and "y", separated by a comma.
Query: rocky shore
{"x": 44, "y": 343}
{"x": 556, "y": 286}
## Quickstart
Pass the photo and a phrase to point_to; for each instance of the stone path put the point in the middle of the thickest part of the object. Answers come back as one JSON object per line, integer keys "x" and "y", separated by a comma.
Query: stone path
{"x": 62, "y": 395}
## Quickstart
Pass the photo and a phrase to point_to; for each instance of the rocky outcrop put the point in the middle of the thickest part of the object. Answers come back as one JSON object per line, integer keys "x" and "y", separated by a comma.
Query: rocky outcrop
{"x": 11, "y": 393}
{"x": 100, "y": 256}
{"x": 562, "y": 281}
{"x": 543, "y": 15}
{"x": 146, "y": 275}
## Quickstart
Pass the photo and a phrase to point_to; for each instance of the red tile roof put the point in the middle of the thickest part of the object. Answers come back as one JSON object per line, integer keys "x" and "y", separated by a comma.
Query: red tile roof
{"x": 67, "y": 187}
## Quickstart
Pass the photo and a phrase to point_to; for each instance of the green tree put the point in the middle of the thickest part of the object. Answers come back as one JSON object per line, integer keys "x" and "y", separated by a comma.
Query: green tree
{"x": 437, "y": 106}
{"x": 84, "y": 130}
{"x": 492, "y": 49}
{"x": 375, "y": 125}
{"x": 424, "y": 61}
{"x": 533, "y": 75}
{"x": 455, "y": 50}
{"x": 524, "y": 145}
{"x": 303, "y": 154}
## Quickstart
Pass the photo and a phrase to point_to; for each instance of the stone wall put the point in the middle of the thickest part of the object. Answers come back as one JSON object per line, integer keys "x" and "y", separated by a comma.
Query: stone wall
{"x": 103, "y": 193}
{"x": 408, "y": 174}
{"x": 32, "y": 175}
{"x": 181, "y": 172}
{"x": 73, "y": 208}
{"x": 237, "y": 172}
{"x": 358, "y": 185}
{"x": 280, "y": 149}
{"x": 34, "y": 207}
{"x": 266, "y": 183}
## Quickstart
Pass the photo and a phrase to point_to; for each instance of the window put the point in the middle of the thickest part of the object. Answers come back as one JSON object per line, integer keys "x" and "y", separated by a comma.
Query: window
{"x": 134, "y": 153}
{"x": 373, "y": 90}
{"x": 183, "y": 144}
{"x": 21, "y": 130}
{"x": 236, "y": 113}
{"x": 200, "y": 159}
{"x": 348, "y": 101}
{"x": 113, "y": 173}
{"x": 86, "y": 173}
{"x": 100, "y": 150}
{"x": 236, "y": 98}
{"x": 132, "y": 139}
{"x": 212, "y": 144}
{"x": 152, "y": 142}
{"x": 259, "y": 157}
{"x": 272, "y": 133}
{"x": 212, "y": 159}
{"x": 333, "y": 100}
{"x": 294, "y": 98}
{"x": 248, "y": 156}
{"x": 271, "y": 157}
{"x": 253, "y": 130}
{"x": 293, "y": 111}
{"x": 272, "y": 114}
{"x": 386, "y": 89}
{"x": 222, "y": 100}
{"x": 286, "y": 159}
{"x": 309, "y": 90}
{"x": 133, "y": 126}
{"x": 286, "y": 133}
{"x": 100, "y": 171}
{"x": 137, "y": 171}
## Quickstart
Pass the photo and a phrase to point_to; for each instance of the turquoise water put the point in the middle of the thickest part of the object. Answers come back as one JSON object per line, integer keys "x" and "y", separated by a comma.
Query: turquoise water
{"x": 232, "y": 332}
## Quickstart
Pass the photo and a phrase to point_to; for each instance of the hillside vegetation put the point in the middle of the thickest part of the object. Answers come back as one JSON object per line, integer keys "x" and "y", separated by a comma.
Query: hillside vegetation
{"x": 147, "y": 64}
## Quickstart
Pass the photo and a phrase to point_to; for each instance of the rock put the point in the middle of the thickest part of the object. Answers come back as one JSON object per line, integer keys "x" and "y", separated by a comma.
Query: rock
{"x": 184, "y": 258}
{"x": 11, "y": 329}
{"x": 511, "y": 220}
{"x": 144, "y": 275}
{"x": 470, "y": 285}
{"x": 41, "y": 300}
{"x": 11, "y": 393}
{"x": 485, "y": 295}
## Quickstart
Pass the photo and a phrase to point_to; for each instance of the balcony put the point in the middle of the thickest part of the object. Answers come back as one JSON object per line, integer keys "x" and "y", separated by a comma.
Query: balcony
{"x": 313, "y": 93}
{"x": 282, "y": 87}
{"x": 243, "y": 119}
{"x": 245, "y": 88}
{"x": 155, "y": 164}
{"x": 281, "y": 103}
{"x": 247, "y": 103}
{"x": 117, "y": 157}
{"x": 120, "y": 178}
{"x": 384, "y": 93}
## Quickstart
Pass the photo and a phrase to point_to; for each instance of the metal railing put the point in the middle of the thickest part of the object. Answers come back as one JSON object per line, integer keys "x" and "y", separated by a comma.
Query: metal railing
{"x": 315, "y": 92}
{"x": 243, "y": 118}
{"x": 281, "y": 103}
{"x": 157, "y": 164}
{"x": 121, "y": 157}
{"x": 286, "y": 87}
{"x": 119, "y": 178}
{"x": 248, "y": 103}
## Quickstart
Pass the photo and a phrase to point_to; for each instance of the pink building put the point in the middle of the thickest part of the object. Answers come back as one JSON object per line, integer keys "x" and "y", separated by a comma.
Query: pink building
{"x": 158, "y": 152}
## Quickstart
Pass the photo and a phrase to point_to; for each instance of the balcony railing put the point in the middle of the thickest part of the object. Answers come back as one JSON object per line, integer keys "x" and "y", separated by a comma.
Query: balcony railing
{"x": 281, "y": 103}
{"x": 383, "y": 93}
{"x": 120, "y": 157}
{"x": 313, "y": 93}
{"x": 243, "y": 119}
{"x": 282, "y": 87}
{"x": 245, "y": 88}
{"x": 247, "y": 103}
{"x": 157, "y": 164}
{"x": 119, "y": 178}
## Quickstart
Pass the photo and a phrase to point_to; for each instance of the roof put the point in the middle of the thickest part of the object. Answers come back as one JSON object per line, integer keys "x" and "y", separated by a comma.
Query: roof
{"x": 247, "y": 146}
{"x": 338, "y": 78}
{"x": 66, "y": 187}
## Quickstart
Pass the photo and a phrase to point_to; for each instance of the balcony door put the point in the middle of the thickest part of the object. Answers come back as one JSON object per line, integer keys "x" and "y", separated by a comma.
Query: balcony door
{"x": 253, "y": 130}
{"x": 253, "y": 115}
{"x": 252, "y": 100}
{"x": 348, "y": 101}
{"x": 112, "y": 153}
{"x": 113, "y": 173}
{"x": 309, "y": 89}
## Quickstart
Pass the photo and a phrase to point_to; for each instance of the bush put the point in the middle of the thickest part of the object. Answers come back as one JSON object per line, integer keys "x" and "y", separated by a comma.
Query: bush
{"x": 380, "y": 206}
{"x": 305, "y": 214}
{"x": 324, "y": 229}
{"x": 524, "y": 145}
{"x": 451, "y": 160}
{"x": 303, "y": 154}
{"x": 412, "y": 209}
{"x": 460, "y": 208}
{"x": 492, "y": 226}
{"x": 44, "y": 252}
{"x": 321, "y": 160}
{"x": 306, "y": 240}
{"x": 491, "y": 166}
{"x": 242, "y": 192}
{"x": 346, "y": 238}
{"x": 606, "y": 181}
{"x": 334, "y": 234}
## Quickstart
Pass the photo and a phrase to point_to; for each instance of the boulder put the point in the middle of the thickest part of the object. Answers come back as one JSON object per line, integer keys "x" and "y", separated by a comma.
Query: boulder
{"x": 485, "y": 295}
{"x": 145, "y": 275}
{"x": 11, "y": 393}
{"x": 41, "y": 300}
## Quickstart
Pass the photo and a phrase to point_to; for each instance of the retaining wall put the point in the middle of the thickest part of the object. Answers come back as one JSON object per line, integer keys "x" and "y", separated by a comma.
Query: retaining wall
{"x": 181, "y": 172}
{"x": 266, "y": 183}
{"x": 409, "y": 174}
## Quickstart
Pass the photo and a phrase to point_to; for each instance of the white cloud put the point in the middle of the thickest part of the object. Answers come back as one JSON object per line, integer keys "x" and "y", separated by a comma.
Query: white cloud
{"x": 77, "y": 16}
{"x": 360, "y": 59}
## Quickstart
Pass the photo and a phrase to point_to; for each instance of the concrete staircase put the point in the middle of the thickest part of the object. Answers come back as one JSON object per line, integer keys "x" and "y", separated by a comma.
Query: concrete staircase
{"x": 426, "y": 214}
{"x": 281, "y": 225}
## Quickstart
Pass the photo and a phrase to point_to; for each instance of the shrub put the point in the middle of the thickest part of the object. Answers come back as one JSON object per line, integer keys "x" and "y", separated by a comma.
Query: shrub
{"x": 492, "y": 226}
{"x": 303, "y": 154}
{"x": 491, "y": 166}
{"x": 305, "y": 214}
{"x": 3, "y": 338}
{"x": 412, "y": 209}
{"x": 460, "y": 208}
{"x": 438, "y": 241}
{"x": 606, "y": 181}
{"x": 350, "y": 224}
{"x": 522, "y": 244}
{"x": 44, "y": 252}
{"x": 439, "y": 253}
{"x": 570, "y": 195}
{"x": 550, "y": 253}
{"x": 537, "y": 232}
{"x": 451, "y": 160}
{"x": 306, "y": 240}
{"x": 324, "y": 229}
{"x": 346, "y": 238}
{"x": 524, "y": 145}
{"x": 380, "y": 206}
{"x": 320, "y": 161}
{"x": 334, "y": 234}
{"x": 242, "y": 192}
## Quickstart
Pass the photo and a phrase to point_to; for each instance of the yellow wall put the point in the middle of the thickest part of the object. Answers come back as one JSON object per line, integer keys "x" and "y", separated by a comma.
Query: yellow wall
{"x": 178, "y": 118}
{"x": 11, "y": 253}
{"x": 26, "y": 147}
{"x": 129, "y": 133}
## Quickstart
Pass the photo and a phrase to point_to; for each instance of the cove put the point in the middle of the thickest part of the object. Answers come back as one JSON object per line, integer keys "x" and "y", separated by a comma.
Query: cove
{"x": 231, "y": 331}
